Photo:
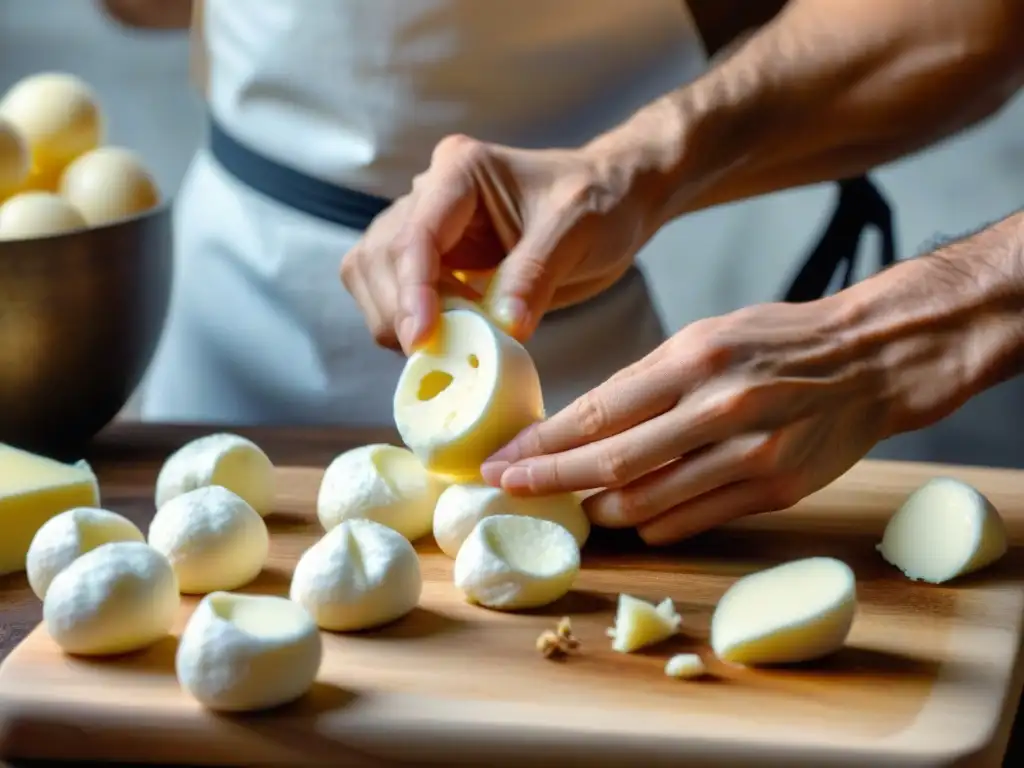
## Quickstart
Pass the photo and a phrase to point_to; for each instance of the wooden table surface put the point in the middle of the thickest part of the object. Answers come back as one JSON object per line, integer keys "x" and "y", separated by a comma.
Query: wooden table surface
{"x": 133, "y": 445}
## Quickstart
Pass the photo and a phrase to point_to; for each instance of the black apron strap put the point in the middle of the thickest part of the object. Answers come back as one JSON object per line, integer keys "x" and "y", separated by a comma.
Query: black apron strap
{"x": 294, "y": 189}
{"x": 861, "y": 205}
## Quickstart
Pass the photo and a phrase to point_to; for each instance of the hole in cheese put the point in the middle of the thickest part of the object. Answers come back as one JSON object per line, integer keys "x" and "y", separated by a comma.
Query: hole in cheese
{"x": 433, "y": 384}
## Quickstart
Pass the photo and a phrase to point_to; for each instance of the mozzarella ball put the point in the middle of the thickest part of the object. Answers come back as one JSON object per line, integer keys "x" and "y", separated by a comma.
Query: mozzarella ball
{"x": 109, "y": 184}
{"x": 214, "y": 540}
{"x": 63, "y": 539}
{"x": 120, "y": 597}
{"x": 360, "y": 575}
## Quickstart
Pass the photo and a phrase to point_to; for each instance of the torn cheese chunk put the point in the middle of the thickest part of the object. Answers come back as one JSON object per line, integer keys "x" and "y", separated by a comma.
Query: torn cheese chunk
{"x": 944, "y": 529}
{"x": 379, "y": 482}
{"x": 512, "y": 562}
{"x": 685, "y": 666}
{"x": 639, "y": 624}
{"x": 34, "y": 489}
{"x": 795, "y": 612}
{"x": 468, "y": 394}
{"x": 244, "y": 653}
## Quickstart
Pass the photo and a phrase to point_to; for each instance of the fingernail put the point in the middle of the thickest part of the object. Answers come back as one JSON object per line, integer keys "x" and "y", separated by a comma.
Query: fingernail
{"x": 509, "y": 312}
{"x": 407, "y": 333}
{"x": 492, "y": 471}
{"x": 516, "y": 479}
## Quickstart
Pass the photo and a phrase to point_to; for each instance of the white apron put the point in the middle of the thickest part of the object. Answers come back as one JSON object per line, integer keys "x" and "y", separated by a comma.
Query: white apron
{"x": 358, "y": 93}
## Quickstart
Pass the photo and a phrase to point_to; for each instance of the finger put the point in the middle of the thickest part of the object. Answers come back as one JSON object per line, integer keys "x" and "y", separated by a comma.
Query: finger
{"x": 379, "y": 283}
{"x": 609, "y": 463}
{"x": 445, "y": 200}
{"x": 633, "y": 395}
{"x": 731, "y": 502}
{"x": 695, "y": 474}
{"x": 525, "y": 283}
{"x": 355, "y": 281}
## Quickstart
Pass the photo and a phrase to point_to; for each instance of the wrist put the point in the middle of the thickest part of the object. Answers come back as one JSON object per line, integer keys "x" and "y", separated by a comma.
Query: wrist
{"x": 648, "y": 160}
{"x": 942, "y": 328}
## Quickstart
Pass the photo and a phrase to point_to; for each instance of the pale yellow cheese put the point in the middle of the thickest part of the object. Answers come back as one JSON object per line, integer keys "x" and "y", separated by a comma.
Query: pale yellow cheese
{"x": 34, "y": 489}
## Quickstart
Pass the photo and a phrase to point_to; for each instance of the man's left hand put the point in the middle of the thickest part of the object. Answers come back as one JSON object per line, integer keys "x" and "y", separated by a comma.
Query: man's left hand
{"x": 736, "y": 415}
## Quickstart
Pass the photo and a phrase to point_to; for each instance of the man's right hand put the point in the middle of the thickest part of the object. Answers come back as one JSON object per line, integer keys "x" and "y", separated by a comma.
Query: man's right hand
{"x": 556, "y": 226}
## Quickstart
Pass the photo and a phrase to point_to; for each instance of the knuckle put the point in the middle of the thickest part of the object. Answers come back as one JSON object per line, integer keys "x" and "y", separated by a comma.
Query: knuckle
{"x": 632, "y": 505}
{"x": 783, "y": 491}
{"x": 613, "y": 468}
{"x": 349, "y": 269}
{"x": 764, "y": 457}
{"x": 591, "y": 416}
{"x": 458, "y": 147}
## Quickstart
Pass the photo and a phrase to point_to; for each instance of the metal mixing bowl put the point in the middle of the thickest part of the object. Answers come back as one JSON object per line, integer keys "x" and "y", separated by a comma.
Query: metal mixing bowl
{"x": 80, "y": 317}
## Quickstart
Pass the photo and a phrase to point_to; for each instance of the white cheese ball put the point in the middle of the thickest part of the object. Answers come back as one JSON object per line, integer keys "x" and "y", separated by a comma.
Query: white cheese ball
{"x": 214, "y": 540}
{"x": 461, "y": 507}
{"x": 57, "y": 113}
{"x": 31, "y": 215}
{"x": 14, "y": 159}
{"x": 231, "y": 461}
{"x": 379, "y": 482}
{"x": 511, "y": 562}
{"x": 109, "y": 184}
{"x": 63, "y": 539}
{"x": 242, "y": 653}
{"x": 360, "y": 575}
{"x": 118, "y": 598}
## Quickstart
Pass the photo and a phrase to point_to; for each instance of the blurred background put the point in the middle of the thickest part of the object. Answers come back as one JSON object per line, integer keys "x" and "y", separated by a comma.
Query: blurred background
{"x": 707, "y": 264}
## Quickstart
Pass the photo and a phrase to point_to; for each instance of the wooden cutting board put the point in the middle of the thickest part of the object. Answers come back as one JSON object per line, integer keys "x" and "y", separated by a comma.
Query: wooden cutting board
{"x": 931, "y": 675}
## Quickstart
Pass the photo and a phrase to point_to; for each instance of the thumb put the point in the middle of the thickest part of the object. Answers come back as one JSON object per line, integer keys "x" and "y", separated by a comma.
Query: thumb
{"x": 525, "y": 283}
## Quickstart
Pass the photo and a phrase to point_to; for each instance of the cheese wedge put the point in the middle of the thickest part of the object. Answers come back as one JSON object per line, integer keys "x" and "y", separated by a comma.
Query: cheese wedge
{"x": 34, "y": 489}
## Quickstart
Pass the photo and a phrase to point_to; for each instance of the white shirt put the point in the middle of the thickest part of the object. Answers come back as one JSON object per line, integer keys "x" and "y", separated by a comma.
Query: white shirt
{"x": 359, "y": 92}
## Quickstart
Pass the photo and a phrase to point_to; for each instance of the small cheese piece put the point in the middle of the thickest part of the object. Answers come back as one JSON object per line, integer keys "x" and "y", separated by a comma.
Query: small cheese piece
{"x": 14, "y": 159}
{"x": 243, "y": 653}
{"x": 213, "y": 538}
{"x": 466, "y": 396}
{"x": 685, "y": 666}
{"x": 34, "y": 489}
{"x": 58, "y": 114}
{"x": 109, "y": 184}
{"x": 639, "y": 624}
{"x": 794, "y": 612}
{"x": 64, "y": 538}
{"x": 230, "y": 461}
{"x": 461, "y": 507}
{"x": 30, "y": 215}
{"x": 118, "y": 598}
{"x": 512, "y": 562}
{"x": 382, "y": 483}
{"x": 944, "y": 529}
{"x": 360, "y": 575}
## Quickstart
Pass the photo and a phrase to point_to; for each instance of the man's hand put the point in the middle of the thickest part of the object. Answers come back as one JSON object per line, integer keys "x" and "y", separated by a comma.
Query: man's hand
{"x": 555, "y": 226}
{"x": 753, "y": 411}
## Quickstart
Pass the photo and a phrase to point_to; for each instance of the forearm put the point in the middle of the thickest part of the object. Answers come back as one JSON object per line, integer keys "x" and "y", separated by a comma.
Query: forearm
{"x": 826, "y": 90}
{"x": 941, "y": 328}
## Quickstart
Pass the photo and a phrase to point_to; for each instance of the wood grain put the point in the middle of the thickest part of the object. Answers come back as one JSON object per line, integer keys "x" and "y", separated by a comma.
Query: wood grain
{"x": 931, "y": 675}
